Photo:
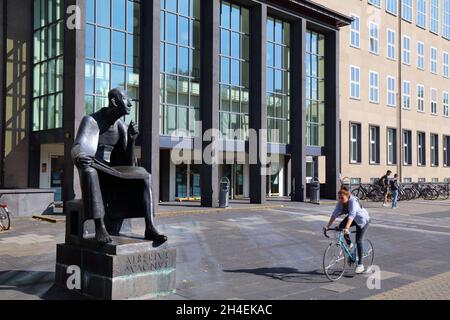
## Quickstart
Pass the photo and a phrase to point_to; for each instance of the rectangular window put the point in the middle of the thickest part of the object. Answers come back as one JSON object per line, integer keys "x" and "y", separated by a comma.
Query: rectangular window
{"x": 391, "y": 44}
{"x": 445, "y": 72}
{"x": 180, "y": 67}
{"x": 374, "y": 141}
{"x": 391, "y": 96}
{"x": 407, "y": 10}
{"x": 434, "y": 16}
{"x": 433, "y": 101}
{"x": 420, "y": 98}
{"x": 434, "y": 150}
{"x": 355, "y": 143}
{"x": 421, "y": 151}
{"x": 112, "y": 52}
{"x": 406, "y": 95}
{"x": 235, "y": 71}
{"x": 47, "y": 87}
{"x": 354, "y": 82}
{"x": 420, "y": 55}
{"x": 376, "y": 3}
{"x": 373, "y": 37}
{"x": 421, "y": 13}
{"x": 391, "y": 146}
{"x": 433, "y": 60}
{"x": 446, "y": 19}
{"x": 446, "y": 149}
{"x": 373, "y": 87}
{"x": 406, "y": 58}
{"x": 278, "y": 80}
{"x": 407, "y": 151}
{"x": 355, "y": 31}
{"x": 315, "y": 97}
{"x": 445, "y": 103}
{"x": 392, "y": 6}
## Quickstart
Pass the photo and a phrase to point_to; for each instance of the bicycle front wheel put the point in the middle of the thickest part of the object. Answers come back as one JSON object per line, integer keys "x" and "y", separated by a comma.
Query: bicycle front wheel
{"x": 5, "y": 221}
{"x": 334, "y": 261}
{"x": 368, "y": 253}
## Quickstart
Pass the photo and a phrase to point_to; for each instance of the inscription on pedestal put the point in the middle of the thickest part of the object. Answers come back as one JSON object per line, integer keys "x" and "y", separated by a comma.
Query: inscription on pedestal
{"x": 146, "y": 262}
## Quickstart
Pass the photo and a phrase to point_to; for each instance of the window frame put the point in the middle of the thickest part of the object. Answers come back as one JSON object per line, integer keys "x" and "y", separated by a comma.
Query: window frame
{"x": 420, "y": 99}
{"x": 355, "y": 83}
{"x": 390, "y": 46}
{"x": 357, "y": 141}
{"x": 393, "y": 144}
{"x": 391, "y": 93}
{"x": 406, "y": 52}
{"x": 374, "y": 89}
{"x": 420, "y": 55}
{"x": 421, "y": 149}
{"x": 374, "y": 40}
{"x": 374, "y": 144}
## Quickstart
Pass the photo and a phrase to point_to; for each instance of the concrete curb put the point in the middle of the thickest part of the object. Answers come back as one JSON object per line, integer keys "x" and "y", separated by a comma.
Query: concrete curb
{"x": 215, "y": 210}
{"x": 47, "y": 219}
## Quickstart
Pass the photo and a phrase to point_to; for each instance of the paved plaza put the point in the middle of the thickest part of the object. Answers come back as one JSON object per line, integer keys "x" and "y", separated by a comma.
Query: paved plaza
{"x": 252, "y": 252}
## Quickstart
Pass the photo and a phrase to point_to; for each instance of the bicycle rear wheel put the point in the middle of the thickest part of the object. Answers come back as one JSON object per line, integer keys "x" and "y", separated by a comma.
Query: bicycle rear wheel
{"x": 5, "y": 221}
{"x": 358, "y": 193}
{"x": 334, "y": 261}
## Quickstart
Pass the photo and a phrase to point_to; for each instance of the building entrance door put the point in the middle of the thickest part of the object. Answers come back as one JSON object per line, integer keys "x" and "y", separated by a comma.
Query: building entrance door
{"x": 235, "y": 173}
{"x": 57, "y": 176}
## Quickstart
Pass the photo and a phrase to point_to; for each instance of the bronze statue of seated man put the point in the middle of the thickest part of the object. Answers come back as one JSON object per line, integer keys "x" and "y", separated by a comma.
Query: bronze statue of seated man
{"x": 113, "y": 187}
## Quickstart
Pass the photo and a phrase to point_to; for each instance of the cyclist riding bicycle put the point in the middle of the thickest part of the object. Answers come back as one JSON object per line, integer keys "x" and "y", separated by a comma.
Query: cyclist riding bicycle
{"x": 356, "y": 216}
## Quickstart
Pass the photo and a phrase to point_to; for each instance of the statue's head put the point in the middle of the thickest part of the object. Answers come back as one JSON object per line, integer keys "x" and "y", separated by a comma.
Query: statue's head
{"x": 120, "y": 101}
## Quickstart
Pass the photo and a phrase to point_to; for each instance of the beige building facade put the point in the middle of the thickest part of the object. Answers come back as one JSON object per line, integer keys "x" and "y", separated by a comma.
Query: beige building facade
{"x": 394, "y": 89}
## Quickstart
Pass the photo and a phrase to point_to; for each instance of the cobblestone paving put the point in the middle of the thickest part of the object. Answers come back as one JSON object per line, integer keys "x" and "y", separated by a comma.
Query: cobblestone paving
{"x": 432, "y": 288}
{"x": 272, "y": 253}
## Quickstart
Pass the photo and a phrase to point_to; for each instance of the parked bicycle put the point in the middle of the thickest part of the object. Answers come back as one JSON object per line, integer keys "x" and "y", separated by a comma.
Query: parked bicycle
{"x": 5, "y": 219}
{"x": 338, "y": 254}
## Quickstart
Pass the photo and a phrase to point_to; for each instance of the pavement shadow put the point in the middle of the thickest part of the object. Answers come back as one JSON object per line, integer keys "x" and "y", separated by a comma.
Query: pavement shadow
{"x": 286, "y": 274}
{"x": 35, "y": 284}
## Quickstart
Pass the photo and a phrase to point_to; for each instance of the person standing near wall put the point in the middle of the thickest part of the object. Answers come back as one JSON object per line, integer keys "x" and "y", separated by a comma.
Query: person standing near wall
{"x": 384, "y": 184}
{"x": 394, "y": 184}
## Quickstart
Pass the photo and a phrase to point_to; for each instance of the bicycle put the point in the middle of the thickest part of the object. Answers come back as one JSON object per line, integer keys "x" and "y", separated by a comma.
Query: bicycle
{"x": 338, "y": 254}
{"x": 5, "y": 219}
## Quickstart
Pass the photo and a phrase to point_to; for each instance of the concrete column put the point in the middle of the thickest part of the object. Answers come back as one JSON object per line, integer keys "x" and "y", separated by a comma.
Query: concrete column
{"x": 332, "y": 120}
{"x": 209, "y": 98}
{"x": 74, "y": 100}
{"x": 298, "y": 111}
{"x": 149, "y": 91}
{"x": 258, "y": 107}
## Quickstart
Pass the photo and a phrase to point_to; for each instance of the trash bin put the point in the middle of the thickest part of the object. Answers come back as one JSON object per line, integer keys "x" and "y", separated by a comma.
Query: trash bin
{"x": 224, "y": 192}
{"x": 315, "y": 191}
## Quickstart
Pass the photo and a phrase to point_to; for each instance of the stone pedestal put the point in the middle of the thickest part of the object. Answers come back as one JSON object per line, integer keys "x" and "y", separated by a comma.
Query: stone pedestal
{"x": 128, "y": 268}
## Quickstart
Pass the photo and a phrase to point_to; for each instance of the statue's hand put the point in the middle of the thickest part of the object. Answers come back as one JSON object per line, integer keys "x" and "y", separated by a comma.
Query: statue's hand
{"x": 83, "y": 161}
{"x": 133, "y": 130}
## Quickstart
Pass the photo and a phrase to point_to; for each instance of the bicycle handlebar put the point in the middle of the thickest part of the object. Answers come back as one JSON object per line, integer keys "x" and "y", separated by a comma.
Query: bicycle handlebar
{"x": 337, "y": 229}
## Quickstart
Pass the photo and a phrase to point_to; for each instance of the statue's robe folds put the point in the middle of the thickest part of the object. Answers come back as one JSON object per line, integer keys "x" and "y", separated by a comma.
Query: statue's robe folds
{"x": 110, "y": 189}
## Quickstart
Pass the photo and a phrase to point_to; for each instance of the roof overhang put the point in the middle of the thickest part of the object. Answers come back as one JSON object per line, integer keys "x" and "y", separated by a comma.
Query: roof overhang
{"x": 315, "y": 11}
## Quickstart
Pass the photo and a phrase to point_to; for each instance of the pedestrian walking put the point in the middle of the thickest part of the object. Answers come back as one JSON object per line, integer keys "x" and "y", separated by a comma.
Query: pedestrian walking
{"x": 394, "y": 185}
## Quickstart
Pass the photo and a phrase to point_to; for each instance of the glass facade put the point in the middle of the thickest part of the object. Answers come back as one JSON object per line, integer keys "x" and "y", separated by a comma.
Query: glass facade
{"x": 48, "y": 65}
{"x": 112, "y": 51}
{"x": 315, "y": 88}
{"x": 278, "y": 80}
{"x": 180, "y": 67}
{"x": 234, "y": 71}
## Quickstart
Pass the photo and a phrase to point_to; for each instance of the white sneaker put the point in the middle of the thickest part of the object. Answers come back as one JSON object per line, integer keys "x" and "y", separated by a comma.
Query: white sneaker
{"x": 385, "y": 205}
{"x": 359, "y": 269}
